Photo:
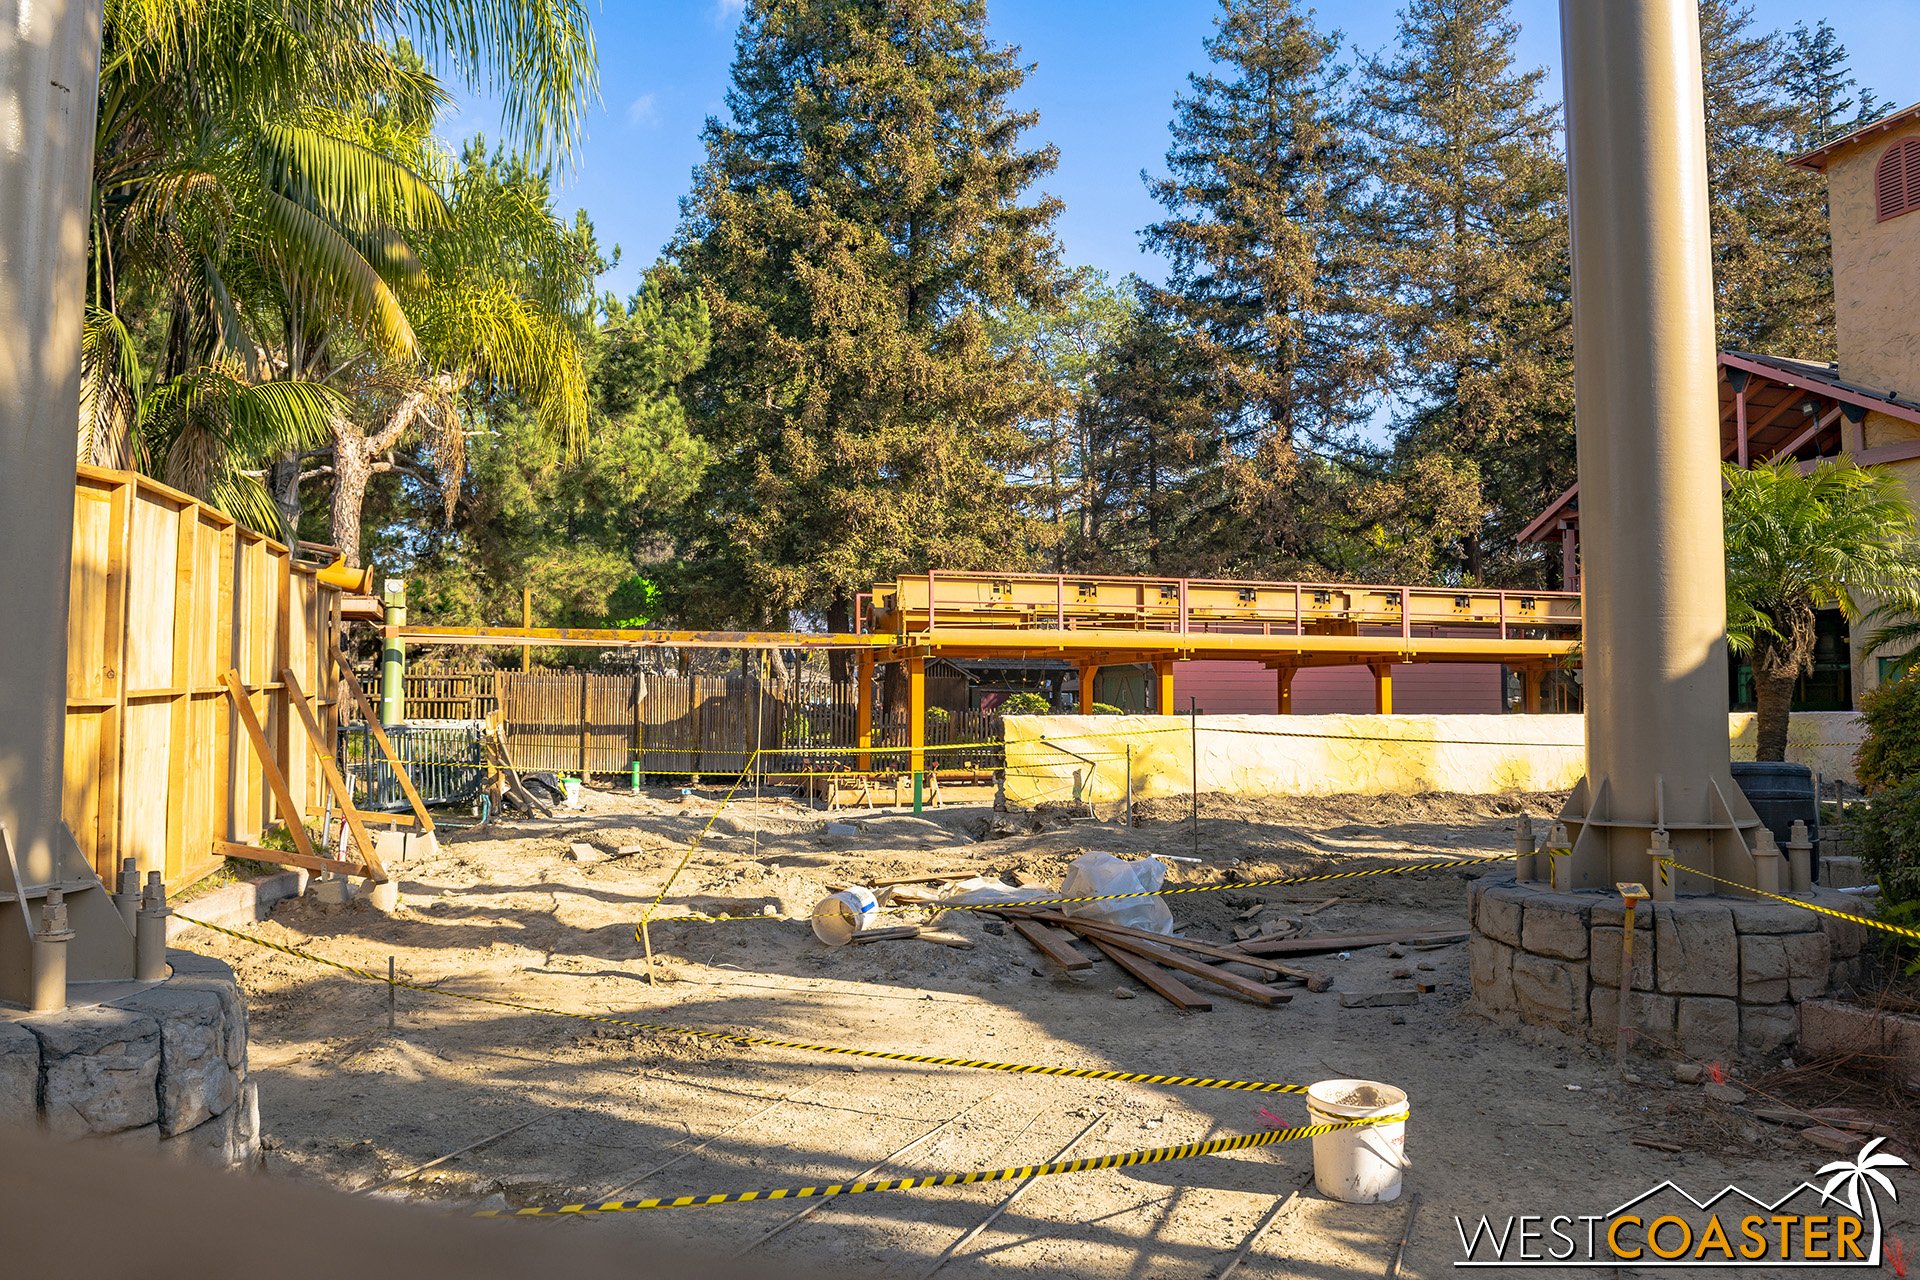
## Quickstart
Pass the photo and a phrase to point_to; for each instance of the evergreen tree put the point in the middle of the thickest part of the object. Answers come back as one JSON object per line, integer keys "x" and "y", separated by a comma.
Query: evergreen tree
{"x": 1262, "y": 272}
{"x": 1819, "y": 79}
{"x": 1469, "y": 229}
{"x": 858, "y": 216}
{"x": 1771, "y": 254}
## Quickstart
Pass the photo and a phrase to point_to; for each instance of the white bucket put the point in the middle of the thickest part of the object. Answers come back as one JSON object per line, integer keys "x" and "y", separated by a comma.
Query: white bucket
{"x": 1361, "y": 1165}
{"x": 837, "y": 917}
{"x": 570, "y": 787}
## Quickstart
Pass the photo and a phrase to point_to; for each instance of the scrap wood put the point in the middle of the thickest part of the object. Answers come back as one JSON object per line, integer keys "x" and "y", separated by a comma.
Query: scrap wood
{"x": 1152, "y": 976}
{"x": 946, "y": 938}
{"x": 889, "y": 934}
{"x": 1406, "y": 1238}
{"x": 1172, "y": 959}
{"x": 1315, "y": 981}
{"x": 1280, "y": 1206}
{"x": 1349, "y": 942}
{"x": 1053, "y": 944}
{"x": 1007, "y": 1203}
{"x": 419, "y": 1169}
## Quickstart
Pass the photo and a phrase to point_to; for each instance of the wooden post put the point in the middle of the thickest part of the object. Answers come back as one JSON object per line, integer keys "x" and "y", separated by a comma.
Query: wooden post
{"x": 526, "y": 620}
{"x": 330, "y": 773}
{"x": 1283, "y": 677}
{"x": 1382, "y": 688}
{"x": 371, "y": 715}
{"x": 1531, "y": 679}
{"x": 863, "y": 710}
{"x": 585, "y": 699}
{"x": 1089, "y": 672}
{"x": 916, "y": 720}
{"x": 290, "y": 813}
{"x": 1163, "y": 692}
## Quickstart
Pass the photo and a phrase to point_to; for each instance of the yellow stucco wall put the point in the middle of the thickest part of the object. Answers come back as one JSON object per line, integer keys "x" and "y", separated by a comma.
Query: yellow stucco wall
{"x": 1876, "y": 273}
{"x": 1054, "y": 759}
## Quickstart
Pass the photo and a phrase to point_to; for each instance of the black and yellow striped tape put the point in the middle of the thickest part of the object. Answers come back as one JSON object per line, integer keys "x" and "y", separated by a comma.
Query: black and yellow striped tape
{"x": 768, "y": 1042}
{"x": 1899, "y": 931}
{"x": 1120, "y": 1160}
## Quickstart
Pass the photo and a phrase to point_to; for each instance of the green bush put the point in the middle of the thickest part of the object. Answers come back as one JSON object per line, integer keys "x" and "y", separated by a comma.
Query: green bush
{"x": 1888, "y": 841}
{"x": 1889, "y": 756}
{"x": 1107, "y": 709}
{"x": 1026, "y": 704}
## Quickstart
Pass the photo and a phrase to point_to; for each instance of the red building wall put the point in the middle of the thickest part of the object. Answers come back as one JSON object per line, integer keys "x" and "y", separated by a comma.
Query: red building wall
{"x": 1247, "y": 688}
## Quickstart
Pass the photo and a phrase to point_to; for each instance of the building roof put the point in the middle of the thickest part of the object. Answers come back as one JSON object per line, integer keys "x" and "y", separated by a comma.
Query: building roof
{"x": 1793, "y": 409}
{"x": 1817, "y": 158}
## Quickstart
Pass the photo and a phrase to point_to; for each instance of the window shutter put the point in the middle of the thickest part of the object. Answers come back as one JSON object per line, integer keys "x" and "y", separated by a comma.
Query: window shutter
{"x": 1896, "y": 180}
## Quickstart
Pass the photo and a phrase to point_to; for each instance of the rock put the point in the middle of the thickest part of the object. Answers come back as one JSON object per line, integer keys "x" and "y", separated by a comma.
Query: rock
{"x": 580, "y": 851}
{"x": 1491, "y": 967}
{"x": 1377, "y": 999}
{"x": 1695, "y": 949}
{"x": 1708, "y": 1027}
{"x": 1400, "y": 971}
{"x": 1763, "y": 969}
{"x": 1808, "y": 965}
{"x": 1396, "y": 952}
{"x": 1767, "y": 1029}
{"x": 1546, "y": 990}
{"x": 100, "y": 1070}
{"x": 195, "y": 972}
{"x": 195, "y": 1082}
{"x": 1606, "y": 957}
{"x": 1689, "y": 1072}
{"x": 842, "y": 829}
{"x": 1426, "y": 965}
{"x": 1124, "y": 993}
{"x": 1500, "y": 915}
{"x": 1652, "y": 1013}
{"x": 19, "y": 1076}
{"x": 1553, "y": 926}
{"x": 1774, "y": 918}
{"x": 1725, "y": 1093}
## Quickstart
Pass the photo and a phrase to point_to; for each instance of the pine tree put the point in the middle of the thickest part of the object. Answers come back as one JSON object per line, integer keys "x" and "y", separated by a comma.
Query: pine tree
{"x": 1771, "y": 253}
{"x": 1818, "y": 78}
{"x": 1471, "y": 255}
{"x": 1259, "y": 195}
{"x": 857, "y": 217}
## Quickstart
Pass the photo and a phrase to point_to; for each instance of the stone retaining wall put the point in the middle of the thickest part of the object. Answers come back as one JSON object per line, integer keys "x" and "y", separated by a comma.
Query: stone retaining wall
{"x": 1717, "y": 977}
{"x": 163, "y": 1067}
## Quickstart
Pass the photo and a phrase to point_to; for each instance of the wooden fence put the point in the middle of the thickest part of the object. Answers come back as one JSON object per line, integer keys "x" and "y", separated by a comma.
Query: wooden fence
{"x": 166, "y": 595}
{"x": 685, "y": 726}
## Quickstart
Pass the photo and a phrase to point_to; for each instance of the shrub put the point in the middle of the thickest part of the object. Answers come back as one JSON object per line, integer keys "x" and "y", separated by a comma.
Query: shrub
{"x": 1888, "y": 840}
{"x": 1026, "y": 704}
{"x": 1107, "y": 709}
{"x": 1890, "y": 753}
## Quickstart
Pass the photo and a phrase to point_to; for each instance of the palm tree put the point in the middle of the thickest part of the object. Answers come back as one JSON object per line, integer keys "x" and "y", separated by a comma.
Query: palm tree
{"x": 1855, "y": 1179}
{"x": 259, "y": 171}
{"x": 1799, "y": 542}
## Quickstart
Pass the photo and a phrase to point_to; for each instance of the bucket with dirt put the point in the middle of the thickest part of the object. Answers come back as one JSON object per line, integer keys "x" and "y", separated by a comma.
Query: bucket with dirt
{"x": 1360, "y": 1165}
{"x": 838, "y": 916}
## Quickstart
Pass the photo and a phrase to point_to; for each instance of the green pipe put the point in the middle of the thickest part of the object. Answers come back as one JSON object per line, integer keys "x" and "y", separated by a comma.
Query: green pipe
{"x": 393, "y": 654}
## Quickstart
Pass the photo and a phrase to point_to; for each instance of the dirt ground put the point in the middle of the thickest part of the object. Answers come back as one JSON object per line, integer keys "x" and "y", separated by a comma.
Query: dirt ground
{"x": 1501, "y": 1123}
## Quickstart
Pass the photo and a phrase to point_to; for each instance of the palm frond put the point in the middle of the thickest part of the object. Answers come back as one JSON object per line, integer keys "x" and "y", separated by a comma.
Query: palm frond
{"x": 112, "y": 384}
{"x": 338, "y": 268}
{"x": 344, "y": 180}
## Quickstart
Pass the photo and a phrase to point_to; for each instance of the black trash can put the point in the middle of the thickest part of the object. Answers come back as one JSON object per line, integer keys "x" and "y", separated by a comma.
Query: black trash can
{"x": 1782, "y": 794}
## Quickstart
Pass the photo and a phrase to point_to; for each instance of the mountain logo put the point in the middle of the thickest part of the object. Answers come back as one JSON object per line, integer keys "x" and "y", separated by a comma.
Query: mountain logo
{"x": 1829, "y": 1220}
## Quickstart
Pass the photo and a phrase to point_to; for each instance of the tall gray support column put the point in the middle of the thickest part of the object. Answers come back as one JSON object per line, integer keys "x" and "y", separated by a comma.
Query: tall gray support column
{"x": 49, "y": 69}
{"x": 1654, "y": 568}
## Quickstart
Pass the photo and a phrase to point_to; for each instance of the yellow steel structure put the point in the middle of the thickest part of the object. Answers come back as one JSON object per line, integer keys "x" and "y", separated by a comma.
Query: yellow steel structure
{"x": 1096, "y": 621}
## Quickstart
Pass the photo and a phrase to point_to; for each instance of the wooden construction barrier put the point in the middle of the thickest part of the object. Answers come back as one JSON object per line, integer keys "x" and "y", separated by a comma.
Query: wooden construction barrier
{"x": 167, "y": 595}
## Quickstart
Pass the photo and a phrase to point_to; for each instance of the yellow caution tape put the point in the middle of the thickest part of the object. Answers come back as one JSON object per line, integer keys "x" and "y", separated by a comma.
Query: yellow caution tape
{"x": 1897, "y": 930}
{"x": 765, "y": 1042}
{"x": 1019, "y": 1173}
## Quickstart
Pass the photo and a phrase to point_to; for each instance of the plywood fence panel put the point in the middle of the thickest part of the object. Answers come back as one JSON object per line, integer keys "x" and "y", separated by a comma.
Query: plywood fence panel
{"x": 166, "y": 595}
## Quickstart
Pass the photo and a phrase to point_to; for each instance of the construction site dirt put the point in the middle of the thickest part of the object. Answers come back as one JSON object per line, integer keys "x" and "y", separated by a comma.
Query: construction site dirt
{"x": 565, "y": 1111}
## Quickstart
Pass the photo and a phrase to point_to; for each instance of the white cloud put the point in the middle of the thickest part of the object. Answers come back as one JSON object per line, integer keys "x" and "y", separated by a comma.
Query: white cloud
{"x": 727, "y": 12}
{"x": 642, "y": 112}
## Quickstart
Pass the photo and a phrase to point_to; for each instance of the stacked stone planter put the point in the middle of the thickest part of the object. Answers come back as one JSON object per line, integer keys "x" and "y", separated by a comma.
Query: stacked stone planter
{"x": 1714, "y": 976}
{"x": 163, "y": 1066}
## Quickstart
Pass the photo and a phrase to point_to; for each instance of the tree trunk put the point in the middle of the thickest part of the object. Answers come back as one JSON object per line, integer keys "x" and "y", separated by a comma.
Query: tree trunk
{"x": 352, "y": 468}
{"x": 1774, "y": 696}
{"x": 839, "y": 621}
{"x": 283, "y": 485}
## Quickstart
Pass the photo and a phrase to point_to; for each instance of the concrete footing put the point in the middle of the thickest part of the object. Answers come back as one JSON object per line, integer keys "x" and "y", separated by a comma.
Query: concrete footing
{"x": 161, "y": 1065}
{"x": 1713, "y": 977}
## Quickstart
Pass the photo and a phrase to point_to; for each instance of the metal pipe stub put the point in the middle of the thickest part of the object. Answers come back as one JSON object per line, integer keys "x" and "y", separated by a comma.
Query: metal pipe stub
{"x": 50, "y": 955}
{"x": 150, "y": 932}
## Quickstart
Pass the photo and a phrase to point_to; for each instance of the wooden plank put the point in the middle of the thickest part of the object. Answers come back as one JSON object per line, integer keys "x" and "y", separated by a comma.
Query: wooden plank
{"x": 269, "y": 765}
{"x": 1152, "y": 977}
{"x": 888, "y": 934}
{"x": 330, "y": 773}
{"x": 254, "y": 853}
{"x": 371, "y": 715}
{"x": 1308, "y": 976}
{"x": 1053, "y": 944}
{"x": 1172, "y": 959}
{"x": 1348, "y": 942}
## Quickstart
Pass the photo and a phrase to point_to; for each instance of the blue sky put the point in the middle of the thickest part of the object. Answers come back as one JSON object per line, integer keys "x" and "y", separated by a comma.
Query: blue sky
{"x": 1107, "y": 74}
